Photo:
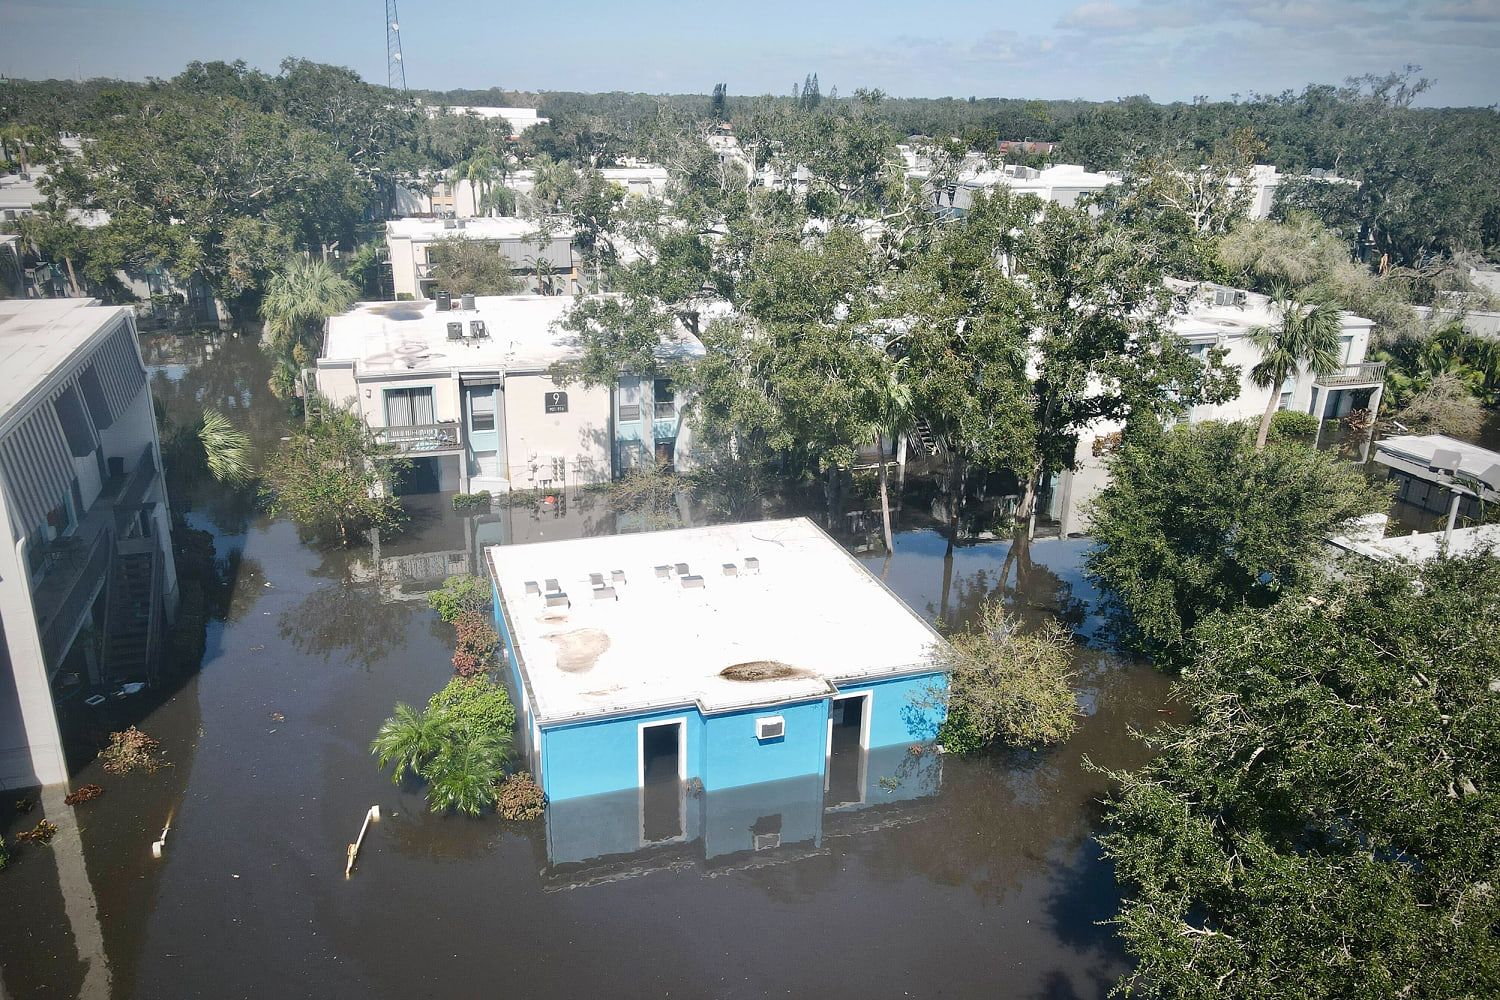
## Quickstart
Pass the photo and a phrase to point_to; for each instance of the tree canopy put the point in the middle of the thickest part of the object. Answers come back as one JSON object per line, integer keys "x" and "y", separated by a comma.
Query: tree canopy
{"x": 1328, "y": 825}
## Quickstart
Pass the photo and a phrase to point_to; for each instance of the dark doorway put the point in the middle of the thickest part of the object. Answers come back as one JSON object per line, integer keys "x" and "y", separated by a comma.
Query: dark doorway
{"x": 846, "y": 751}
{"x": 420, "y": 477}
{"x": 661, "y": 782}
{"x": 666, "y": 455}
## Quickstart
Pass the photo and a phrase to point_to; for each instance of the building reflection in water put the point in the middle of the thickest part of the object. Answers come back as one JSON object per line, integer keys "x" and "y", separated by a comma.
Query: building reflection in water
{"x": 671, "y": 824}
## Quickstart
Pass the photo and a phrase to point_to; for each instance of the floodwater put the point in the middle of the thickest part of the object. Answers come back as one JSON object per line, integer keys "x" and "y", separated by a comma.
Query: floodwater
{"x": 977, "y": 877}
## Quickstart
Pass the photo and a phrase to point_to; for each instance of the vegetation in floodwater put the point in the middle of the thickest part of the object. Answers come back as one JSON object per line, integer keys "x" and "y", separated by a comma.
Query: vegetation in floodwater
{"x": 130, "y": 750}
{"x": 42, "y": 833}
{"x": 520, "y": 798}
{"x": 476, "y": 641}
{"x": 1005, "y": 687}
{"x": 459, "y": 745}
{"x": 334, "y": 479}
{"x": 1328, "y": 818}
{"x": 1229, "y": 526}
{"x": 83, "y": 793}
{"x": 460, "y": 594}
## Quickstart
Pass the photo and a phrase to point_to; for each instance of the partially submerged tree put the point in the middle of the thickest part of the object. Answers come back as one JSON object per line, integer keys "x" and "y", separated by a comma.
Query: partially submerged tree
{"x": 1195, "y": 520}
{"x": 334, "y": 479}
{"x": 297, "y": 303}
{"x": 1326, "y": 826}
{"x": 1006, "y": 687}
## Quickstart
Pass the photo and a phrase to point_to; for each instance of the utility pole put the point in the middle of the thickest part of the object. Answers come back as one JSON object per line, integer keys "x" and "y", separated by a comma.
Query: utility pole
{"x": 395, "y": 68}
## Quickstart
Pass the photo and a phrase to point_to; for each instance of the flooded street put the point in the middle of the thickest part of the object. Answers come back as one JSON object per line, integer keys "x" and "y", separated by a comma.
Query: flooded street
{"x": 983, "y": 881}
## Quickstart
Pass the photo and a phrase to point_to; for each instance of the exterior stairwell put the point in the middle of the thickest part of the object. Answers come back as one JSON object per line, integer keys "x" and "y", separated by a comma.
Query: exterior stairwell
{"x": 924, "y": 438}
{"x": 134, "y": 608}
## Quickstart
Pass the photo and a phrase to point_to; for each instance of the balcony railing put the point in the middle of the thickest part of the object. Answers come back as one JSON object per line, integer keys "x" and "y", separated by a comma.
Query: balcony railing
{"x": 75, "y": 569}
{"x": 1368, "y": 374}
{"x": 416, "y": 438}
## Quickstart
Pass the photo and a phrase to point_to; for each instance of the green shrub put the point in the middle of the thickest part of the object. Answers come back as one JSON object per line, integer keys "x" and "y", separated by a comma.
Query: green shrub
{"x": 463, "y": 501}
{"x": 1292, "y": 425}
{"x": 1007, "y": 687}
{"x": 519, "y": 797}
{"x": 475, "y": 704}
{"x": 459, "y": 594}
{"x": 4, "y": 854}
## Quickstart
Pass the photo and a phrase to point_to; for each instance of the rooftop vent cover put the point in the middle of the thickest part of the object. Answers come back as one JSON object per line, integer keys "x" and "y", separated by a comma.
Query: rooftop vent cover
{"x": 772, "y": 727}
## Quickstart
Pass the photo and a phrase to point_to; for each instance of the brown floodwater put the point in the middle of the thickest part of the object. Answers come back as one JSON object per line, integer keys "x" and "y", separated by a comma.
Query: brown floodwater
{"x": 981, "y": 879}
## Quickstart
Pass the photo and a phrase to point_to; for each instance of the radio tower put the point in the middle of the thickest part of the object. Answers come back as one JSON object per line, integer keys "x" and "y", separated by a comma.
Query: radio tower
{"x": 395, "y": 69}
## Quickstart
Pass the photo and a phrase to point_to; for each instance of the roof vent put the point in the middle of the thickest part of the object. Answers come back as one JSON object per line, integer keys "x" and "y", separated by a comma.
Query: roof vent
{"x": 772, "y": 727}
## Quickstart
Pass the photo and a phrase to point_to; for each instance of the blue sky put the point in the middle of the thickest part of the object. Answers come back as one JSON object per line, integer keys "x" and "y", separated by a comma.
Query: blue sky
{"x": 1098, "y": 49}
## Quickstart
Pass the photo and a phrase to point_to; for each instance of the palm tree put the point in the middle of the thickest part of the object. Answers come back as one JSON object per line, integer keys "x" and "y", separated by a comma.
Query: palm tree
{"x": 226, "y": 449}
{"x": 465, "y": 771}
{"x": 413, "y": 739}
{"x": 1307, "y": 335}
{"x": 298, "y": 301}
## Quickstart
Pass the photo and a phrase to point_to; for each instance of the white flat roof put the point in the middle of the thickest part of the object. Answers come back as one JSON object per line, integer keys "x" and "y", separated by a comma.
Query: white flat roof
{"x": 412, "y": 337}
{"x": 478, "y": 228}
{"x": 1418, "y": 449}
{"x": 1202, "y": 319}
{"x": 1426, "y": 546}
{"x": 811, "y": 607}
{"x": 37, "y": 336}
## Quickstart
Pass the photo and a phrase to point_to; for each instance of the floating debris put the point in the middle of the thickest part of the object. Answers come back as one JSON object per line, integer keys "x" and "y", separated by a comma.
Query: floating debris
{"x": 84, "y": 793}
{"x": 132, "y": 749}
{"x": 39, "y": 834}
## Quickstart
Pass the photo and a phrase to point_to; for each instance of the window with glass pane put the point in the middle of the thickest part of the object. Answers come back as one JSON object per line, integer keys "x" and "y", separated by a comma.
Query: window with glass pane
{"x": 482, "y": 409}
{"x": 666, "y": 400}
{"x": 630, "y": 399}
{"x": 409, "y": 407}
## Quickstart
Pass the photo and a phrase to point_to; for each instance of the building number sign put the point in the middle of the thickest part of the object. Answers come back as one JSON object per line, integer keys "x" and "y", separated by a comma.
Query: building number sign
{"x": 557, "y": 402}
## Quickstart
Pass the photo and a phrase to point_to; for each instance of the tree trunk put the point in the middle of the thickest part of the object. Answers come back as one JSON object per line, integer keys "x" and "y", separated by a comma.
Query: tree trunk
{"x": 955, "y": 487}
{"x": 901, "y": 465}
{"x": 885, "y": 499}
{"x": 947, "y": 586}
{"x": 1265, "y": 420}
{"x": 72, "y": 276}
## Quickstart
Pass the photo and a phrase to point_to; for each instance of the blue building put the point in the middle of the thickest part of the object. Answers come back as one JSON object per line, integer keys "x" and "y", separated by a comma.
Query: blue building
{"x": 682, "y": 664}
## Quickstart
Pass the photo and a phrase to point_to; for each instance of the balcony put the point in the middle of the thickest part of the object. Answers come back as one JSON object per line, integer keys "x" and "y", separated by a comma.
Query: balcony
{"x": 1365, "y": 376}
{"x": 421, "y": 439}
{"x": 74, "y": 568}
{"x": 128, "y": 489}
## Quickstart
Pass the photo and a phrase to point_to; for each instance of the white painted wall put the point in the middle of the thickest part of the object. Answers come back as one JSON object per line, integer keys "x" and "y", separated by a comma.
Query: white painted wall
{"x": 581, "y": 436}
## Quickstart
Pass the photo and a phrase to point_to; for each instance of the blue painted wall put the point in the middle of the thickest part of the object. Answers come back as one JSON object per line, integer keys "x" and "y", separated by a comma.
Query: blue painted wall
{"x": 593, "y": 758}
{"x": 894, "y": 719}
{"x": 735, "y": 757}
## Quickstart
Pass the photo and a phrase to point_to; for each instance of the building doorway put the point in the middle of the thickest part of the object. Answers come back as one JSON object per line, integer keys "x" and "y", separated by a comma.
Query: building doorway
{"x": 848, "y": 738}
{"x": 663, "y": 769}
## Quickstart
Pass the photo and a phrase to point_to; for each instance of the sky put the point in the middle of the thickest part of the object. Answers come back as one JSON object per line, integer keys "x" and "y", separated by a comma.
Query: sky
{"x": 1171, "y": 50}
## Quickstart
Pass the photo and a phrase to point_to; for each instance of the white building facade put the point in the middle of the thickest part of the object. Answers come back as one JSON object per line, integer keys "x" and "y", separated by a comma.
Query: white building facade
{"x": 540, "y": 252}
{"x": 88, "y": 584}
{"x": 466, "y": 393}
{"x": 1213, "y": 316}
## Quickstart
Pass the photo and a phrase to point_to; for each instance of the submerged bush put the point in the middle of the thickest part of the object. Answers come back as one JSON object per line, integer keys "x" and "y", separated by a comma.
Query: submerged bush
{"x": 459, "y": 594}
{"x": 477, "y": 641}
{"x": 1008, "y": 687}
{"x": 460, "y": 744}
{"x": 1292, "y": 425}
{"x": 519, "y": 797}
{"x": 475, "y": 704}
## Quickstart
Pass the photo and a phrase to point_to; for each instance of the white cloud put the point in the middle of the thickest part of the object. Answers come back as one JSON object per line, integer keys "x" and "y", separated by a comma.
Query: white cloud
{"x": 1469, "y": 10}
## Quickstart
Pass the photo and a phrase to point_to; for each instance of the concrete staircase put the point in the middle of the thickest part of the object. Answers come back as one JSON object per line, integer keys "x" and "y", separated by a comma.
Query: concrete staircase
{"x": 133, "y": 610}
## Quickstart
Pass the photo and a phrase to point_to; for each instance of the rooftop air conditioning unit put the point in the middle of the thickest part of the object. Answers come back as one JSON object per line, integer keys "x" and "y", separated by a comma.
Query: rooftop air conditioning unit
{"x": 455, "y": 330}
{"x": 772, "y": 727}
{"x": 476, "y": 329}
{"x": 450, "y": 223}
{"x": 1241, "y": 298}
